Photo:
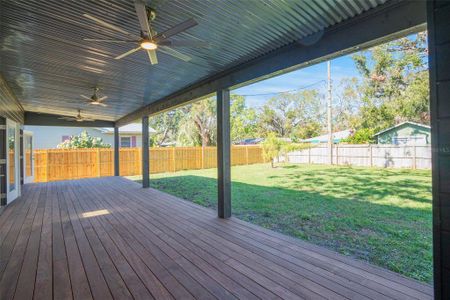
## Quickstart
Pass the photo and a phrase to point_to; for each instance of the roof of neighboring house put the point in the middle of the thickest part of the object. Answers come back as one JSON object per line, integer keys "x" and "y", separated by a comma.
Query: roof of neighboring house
{"x": 337, "y": 137}
{"x": 250, "y": 141}
{"x": 402, "y": 124}
{"x": 133, "y": 128}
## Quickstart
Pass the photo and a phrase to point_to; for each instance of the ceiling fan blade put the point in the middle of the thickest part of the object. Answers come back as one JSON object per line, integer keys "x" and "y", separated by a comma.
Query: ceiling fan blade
{"x": 102, "y": 98}
{"x": 176, "y": 29}
{"x": 110, "y": 41}
{"x": 152, "y": 56}
{"x": 85, "y": 97}
{"x": 128, "y": 53}
{"x": 174, "y": 53}
{"x": 86, "y": 120}
{"x": 141, "y": 12}
{"x": 67, "y": 118}
{"x": 108, "y": 25}
{"x": 185, "y": 43}
{"x": 98, "y": 103}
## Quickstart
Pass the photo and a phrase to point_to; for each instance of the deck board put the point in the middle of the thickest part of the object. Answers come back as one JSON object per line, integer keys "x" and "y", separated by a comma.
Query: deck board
{"x": 108, "y": 238}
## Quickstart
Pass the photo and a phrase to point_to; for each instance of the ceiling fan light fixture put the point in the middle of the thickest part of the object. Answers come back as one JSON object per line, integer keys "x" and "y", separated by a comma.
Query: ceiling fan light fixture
{"x": 148, "y": 45}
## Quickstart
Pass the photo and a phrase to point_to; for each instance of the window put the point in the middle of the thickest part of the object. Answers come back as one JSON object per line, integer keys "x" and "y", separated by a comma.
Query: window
{"x": 65, "y": 138}
{"x": 125, "y": 141}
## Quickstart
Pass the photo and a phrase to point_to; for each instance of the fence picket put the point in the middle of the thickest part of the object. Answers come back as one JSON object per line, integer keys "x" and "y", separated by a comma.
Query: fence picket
{"x": 366, "y": 155}
{"x": 62, "y": 164}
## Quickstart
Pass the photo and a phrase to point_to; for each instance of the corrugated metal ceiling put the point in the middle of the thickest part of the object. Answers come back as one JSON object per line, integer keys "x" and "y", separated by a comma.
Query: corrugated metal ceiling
{"x": 48, "y": 65}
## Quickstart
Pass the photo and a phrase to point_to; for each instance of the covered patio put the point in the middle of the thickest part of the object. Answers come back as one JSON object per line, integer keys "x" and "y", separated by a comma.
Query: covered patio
{"x": 109, "y": 238}
{"x": 112, "y": 238}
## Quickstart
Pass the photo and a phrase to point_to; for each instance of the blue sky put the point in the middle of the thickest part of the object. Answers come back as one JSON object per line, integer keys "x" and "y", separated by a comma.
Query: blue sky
{"x": 340, "y": 67}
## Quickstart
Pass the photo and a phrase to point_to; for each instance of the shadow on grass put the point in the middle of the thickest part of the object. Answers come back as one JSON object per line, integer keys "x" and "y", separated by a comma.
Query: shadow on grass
{"x": 358, "y": 183}
{"x": 345, "y": 218}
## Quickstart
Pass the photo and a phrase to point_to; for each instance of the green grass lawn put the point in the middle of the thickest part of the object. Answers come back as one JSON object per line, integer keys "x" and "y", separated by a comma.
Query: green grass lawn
{"x": 382, "y": 216}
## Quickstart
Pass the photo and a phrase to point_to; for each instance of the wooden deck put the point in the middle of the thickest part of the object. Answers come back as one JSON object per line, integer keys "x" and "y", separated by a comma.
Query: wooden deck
{"x": 109, "y": 238}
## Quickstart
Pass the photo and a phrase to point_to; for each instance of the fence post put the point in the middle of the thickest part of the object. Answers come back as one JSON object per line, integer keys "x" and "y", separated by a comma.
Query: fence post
{"x": 309, "y": 155}
{"x": 98, "y": 162}
{"x": 203, "y": 157}
{"x": 371, "y": 155}
{"x": 246, "y": 154}
{"x": 47, "y": 166}
{"x": 414, "y": 162}
{"x": 139, "y": 161}
{"x": 337, "y": 154}
{"x": 174, "y": 161}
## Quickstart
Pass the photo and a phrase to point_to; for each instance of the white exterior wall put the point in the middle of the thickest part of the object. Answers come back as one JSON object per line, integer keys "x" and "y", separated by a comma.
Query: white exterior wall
{"x": 48, "y": 137}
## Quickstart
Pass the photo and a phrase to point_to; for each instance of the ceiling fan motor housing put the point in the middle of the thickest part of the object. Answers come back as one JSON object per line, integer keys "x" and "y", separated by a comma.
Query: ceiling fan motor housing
{"x": 151, "y": 13}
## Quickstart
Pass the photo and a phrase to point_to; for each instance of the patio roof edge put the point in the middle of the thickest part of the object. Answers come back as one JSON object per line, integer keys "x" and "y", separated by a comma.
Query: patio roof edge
{"x": 386, "y": 22}
{"x": 42, "y": 119}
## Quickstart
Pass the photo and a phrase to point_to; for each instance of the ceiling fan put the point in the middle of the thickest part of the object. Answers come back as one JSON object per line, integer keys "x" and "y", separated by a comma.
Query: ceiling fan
{"x": 95, "y": 99}
{"x": 149, "y": 40}
{"x": 77, "y": 118}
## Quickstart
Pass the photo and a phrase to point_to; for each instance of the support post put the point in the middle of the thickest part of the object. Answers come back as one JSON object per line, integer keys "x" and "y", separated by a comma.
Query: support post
{"x": 223, "y": 154}
{"x": 330, "y": 116}
{"x": 116, "y": 151}
{"x": 3, "y": 153}
{"x": 145, "y": 153}
{"x": 439, "y": 54}
{"x": 21, "y": 156}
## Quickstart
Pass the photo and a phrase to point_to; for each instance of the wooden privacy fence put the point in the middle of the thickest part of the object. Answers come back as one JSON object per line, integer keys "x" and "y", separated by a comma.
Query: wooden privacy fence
{"x": 62, "y": 164}
{"x": 379, "y": 155}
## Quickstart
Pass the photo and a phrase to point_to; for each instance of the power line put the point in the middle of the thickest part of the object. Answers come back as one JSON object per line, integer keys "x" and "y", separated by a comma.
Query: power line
{"x": 288, "y": 91}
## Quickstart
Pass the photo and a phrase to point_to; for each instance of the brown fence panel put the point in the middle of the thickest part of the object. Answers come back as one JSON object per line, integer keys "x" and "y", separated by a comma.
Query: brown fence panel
{"x": 62, "y": 164}
{"x": 130, "y": 161}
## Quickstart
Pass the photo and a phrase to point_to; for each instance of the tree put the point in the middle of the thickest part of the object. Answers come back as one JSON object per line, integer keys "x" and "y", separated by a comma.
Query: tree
{"x": 199, "y": 123}
{"x": 395, "y": 82}
{"x": 286, "y": 112}
{"x": 271, "y": 147}
{"x": 83, "y": 140}
{"x": 313, "y": 128}
{"x": 166, "y": 126}
{"x": 242, "y": 119}
{"x": 347, "y": 104}
{"x": 198, "y": 126}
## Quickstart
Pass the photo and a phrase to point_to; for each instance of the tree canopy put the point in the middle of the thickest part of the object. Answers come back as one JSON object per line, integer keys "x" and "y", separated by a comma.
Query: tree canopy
{"x": 392, "y": 87}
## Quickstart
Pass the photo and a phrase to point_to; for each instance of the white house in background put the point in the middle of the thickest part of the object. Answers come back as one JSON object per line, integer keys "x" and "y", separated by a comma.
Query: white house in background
{"x": 48, "y": 137}
{"x": 337, "y": 137}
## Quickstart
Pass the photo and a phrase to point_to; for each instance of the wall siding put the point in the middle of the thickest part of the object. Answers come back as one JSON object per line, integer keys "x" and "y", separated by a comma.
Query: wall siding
{"x": 48, "y": 137}
{"x": 9, "y": 105}
{"x": 406, "y": 130}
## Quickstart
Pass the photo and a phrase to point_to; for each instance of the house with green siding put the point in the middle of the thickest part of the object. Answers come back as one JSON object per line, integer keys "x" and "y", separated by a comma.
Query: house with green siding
{"x": 406, "y": 133}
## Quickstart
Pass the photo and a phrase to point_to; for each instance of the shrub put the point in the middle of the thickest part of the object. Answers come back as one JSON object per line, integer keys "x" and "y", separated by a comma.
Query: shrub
{"x": 271, "y": 147}
{"x": 84, "y": 140}
{"x": 361, "y": 136}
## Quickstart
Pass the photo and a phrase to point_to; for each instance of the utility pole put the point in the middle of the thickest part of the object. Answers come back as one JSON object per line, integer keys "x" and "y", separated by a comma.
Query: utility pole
{"x": 329, "y": 116}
